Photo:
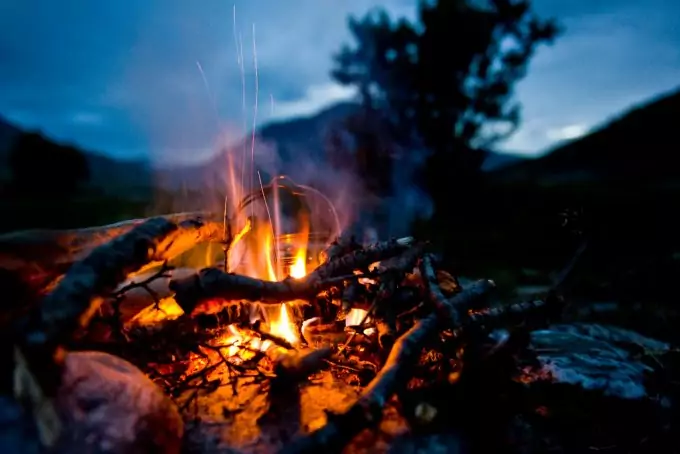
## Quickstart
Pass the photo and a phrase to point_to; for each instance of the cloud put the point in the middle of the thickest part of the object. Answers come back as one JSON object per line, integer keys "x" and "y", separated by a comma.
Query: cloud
{"x": 87, "y": 118}
{"x": 315, "y": 98}
{"x": 133, "y": 65}
{"x": 567, "y": 132}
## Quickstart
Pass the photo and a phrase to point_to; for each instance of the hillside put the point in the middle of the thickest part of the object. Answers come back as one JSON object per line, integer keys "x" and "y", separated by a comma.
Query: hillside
{"x": 301, "y": 137}
{"x": 641, "y": 144}
{"x": 110, "y": 175}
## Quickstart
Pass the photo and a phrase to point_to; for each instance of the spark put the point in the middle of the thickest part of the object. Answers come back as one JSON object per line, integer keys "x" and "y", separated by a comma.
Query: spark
{"x": 238, "y": 44}
{"x": 257, "y": 94}
{"x": 209, "y": 93}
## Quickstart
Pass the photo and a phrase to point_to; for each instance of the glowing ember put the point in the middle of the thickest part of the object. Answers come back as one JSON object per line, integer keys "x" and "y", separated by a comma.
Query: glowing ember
{"x": 167, "y": 309}
{"x": 355, "y": 317}
{"x": 242, "y": 344}
{"x": 275, "y": 237}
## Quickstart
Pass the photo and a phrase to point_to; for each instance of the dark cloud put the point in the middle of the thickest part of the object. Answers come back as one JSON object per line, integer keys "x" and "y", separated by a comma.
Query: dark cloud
{"x": 123, "y": 76}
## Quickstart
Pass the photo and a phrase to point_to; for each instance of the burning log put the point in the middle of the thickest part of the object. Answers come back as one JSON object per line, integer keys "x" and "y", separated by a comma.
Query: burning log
{"x": 212, "y": 283}
{"x": 360, "y": 259}
{"x": 46, "y": 254}
{"x": 77, "y": 296}
{"x": 367, "y": 410}
{"x": 291, "y": 367}
{"x": 70, "y": 306}
{"x": 342, "y": 245}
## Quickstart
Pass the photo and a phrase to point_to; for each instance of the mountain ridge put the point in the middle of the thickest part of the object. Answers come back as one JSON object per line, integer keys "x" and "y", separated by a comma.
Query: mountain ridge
{"x": 637, "y": 144}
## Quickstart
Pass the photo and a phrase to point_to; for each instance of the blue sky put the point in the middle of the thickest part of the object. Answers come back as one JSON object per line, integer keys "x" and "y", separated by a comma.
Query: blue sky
{"x": 122, "y": 77}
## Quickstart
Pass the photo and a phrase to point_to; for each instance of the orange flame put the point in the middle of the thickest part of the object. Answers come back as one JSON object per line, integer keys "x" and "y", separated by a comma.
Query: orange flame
{"x": 283, "y": 327}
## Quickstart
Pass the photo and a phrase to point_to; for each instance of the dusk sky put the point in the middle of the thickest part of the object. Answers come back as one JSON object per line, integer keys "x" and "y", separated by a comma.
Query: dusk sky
{"x": 122, "y": 77}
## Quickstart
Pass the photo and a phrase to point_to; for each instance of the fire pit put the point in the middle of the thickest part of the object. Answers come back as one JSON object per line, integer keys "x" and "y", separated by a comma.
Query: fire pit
{"x": 302, "y": 340}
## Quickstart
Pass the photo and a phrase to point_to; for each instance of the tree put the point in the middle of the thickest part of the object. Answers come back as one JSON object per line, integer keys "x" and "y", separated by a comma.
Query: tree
{"x": 445, "y": 81}
{"x": 39, "y": 166}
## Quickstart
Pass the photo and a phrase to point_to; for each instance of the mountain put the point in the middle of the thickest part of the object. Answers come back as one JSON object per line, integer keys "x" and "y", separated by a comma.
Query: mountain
{"x": 639, "y": 145}
{"x": 301, "y": 136}
{"x": 8, "y": 132}
{"x": 496, "y": 160}
{"x": 110, "y": 175}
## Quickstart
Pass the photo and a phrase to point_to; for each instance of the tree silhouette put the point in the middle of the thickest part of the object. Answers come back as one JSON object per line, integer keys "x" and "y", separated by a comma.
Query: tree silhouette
{"x": 445, "y": 81}
{"x": 39, "y": 166}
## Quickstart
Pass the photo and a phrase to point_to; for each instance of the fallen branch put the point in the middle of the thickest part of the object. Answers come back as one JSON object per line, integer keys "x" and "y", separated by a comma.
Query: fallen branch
{"x": 78, "y": 295}
{"x": 291, "y": 367}
{"x": 444, "y": 307}
{"x": 212, "y": 283}
{"x": 494, "y": 317}
{"x": 367, "y": 410}
{"x": 344, "y": 244}
{"x": 359, "y": 259}
{"x": 53, "y": 251}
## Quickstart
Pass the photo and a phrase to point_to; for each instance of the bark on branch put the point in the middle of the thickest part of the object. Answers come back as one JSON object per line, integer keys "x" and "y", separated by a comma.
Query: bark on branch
{"x": 367, "y": 410}
{"x": 42, "y": 255}
{"x": 212, "y": 283}
{"x": 78, "y": 295}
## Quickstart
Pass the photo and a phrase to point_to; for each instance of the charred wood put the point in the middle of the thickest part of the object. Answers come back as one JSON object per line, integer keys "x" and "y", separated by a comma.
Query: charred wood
{"x": 291, "y": 367}
{"x": 212, "y": 283}
{"x": 495, "y": 317}
{"x": 342, "y": 245}
{"x": 238, "y": 312}
{"x": 360, "y": 259}
{"x": 439, "y": 301}
{"x": 75, "y": 299}
{"x": 367, "y": 410}
{"x": 40, "y": 256}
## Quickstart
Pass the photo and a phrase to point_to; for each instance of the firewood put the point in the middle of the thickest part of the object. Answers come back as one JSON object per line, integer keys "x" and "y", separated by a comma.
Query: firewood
{"x": 75, "y": 299}
{"x": 213, "y": 283}
{"x": 70, "y": 305}
{"x": 40, "y": 255}
{"x": 443, "y": 306}
{"x": 360, "y": 259}
{"x": 367, "y": 410}
{"x": 291, "y": 367}
{"x": 344, "y": 244}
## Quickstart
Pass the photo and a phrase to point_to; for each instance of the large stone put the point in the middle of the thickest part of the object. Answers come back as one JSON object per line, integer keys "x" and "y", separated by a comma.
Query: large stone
{"x": 596, "y": 357}
{"x": 110, "y": 406}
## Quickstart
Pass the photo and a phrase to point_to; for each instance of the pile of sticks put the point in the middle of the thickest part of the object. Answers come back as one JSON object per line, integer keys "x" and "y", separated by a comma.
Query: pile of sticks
{"x": 404, "y": 297}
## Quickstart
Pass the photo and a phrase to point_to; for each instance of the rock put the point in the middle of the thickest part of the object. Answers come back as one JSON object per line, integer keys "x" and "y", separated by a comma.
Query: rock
{"x": 110, "y": 406}
{"x": 595, "y": 357}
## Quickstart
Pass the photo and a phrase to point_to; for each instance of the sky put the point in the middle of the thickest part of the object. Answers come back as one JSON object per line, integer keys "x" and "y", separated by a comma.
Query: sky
{"x": 162, "y": 79}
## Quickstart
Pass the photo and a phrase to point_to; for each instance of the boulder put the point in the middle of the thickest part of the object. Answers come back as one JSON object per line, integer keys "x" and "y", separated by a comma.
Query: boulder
{"x": 107, "y": 405}
{"x": 110, "y": 406}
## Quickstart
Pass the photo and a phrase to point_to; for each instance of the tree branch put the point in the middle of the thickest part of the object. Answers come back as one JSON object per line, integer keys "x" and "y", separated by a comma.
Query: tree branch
{"x": 367, "y": 410}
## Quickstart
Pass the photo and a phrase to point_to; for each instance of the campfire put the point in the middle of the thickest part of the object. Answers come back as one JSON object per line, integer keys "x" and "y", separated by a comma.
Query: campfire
{"x": 295, "y": 327}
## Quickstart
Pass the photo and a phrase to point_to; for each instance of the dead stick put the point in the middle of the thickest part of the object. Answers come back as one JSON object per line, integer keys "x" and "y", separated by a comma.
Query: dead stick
{"x": 76, "y": 298}
{"x": 52, "y": 248}
{"x": 367, "y": 410}
{"x": 212, "y": 283}
{"x": 444, "y": 307}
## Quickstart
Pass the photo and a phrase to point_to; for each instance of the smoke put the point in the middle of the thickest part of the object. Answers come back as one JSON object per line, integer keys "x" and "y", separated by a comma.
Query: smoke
{"x": 176, "y": 95}
{"x": 237, "y": 170}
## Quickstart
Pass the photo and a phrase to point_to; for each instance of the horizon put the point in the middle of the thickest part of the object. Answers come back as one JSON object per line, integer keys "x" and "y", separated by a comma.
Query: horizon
{"x": 130, "y": 92}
